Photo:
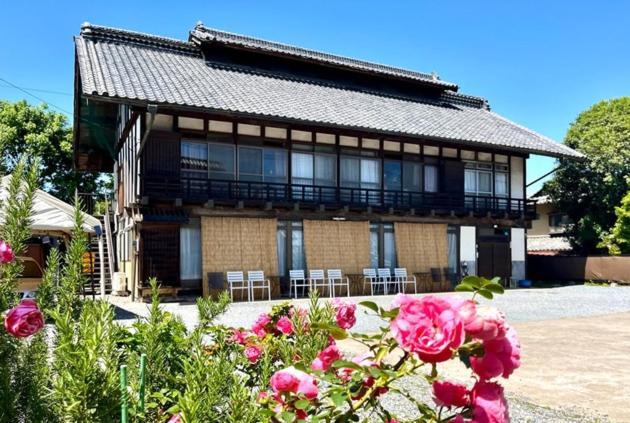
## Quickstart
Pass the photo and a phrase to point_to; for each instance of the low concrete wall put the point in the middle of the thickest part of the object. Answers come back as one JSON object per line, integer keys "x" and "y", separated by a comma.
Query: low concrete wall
{"x": 579, "y": 268}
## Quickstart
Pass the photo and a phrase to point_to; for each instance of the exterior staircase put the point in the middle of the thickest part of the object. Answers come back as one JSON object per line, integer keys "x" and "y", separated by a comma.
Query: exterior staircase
{"x": 92, "y": 263}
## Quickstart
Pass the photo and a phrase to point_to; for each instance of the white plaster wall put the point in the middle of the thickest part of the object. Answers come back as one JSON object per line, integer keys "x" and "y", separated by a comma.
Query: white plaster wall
{"x": 516, "y": 177}
{"x": 518, "y": 244}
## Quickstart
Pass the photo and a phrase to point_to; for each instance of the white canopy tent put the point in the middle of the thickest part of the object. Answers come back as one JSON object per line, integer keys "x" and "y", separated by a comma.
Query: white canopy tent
{"x": 50, "y": 214}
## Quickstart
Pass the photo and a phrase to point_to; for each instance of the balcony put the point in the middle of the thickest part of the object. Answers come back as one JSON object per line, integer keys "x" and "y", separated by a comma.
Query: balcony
{"x": 200, "y": 190}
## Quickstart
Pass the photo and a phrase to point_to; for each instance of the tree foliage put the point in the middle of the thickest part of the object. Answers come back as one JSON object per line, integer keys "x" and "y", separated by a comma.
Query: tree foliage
{"x": 36, "y": 131}
{"x": 618, "y": 240}
{"x": 589, "y": 190}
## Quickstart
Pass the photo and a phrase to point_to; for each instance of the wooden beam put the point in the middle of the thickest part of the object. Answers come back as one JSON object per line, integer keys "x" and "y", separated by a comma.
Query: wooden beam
{"x": 125, "y": 132}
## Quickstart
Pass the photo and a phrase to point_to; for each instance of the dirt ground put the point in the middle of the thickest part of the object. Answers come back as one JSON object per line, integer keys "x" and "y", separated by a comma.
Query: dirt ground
{"x": 575, "y": 362}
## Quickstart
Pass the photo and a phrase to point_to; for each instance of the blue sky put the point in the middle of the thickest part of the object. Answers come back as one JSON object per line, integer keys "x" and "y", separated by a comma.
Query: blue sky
{"x": 539, "y": 63}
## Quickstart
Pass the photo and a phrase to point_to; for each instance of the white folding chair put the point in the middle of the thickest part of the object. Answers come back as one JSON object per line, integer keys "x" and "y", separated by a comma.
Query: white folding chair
{"x": 317, "y": 279}
{"x": 297, "y": 280}
{"x": 369, "y": 276}
{"x": 256, "y": 280}
{"x": 385, "y": 276}
{"x": 335, "y": 278}
{"x": 236, "y": 282}
{"x": 402, "y": 279}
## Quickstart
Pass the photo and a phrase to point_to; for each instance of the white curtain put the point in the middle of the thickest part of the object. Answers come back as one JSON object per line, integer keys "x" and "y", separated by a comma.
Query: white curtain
{"x": 282, "y": 250}
{"x": 470, "y": 180}
{"x": 297, "y": 248}
{"x": 350, "y": 172}
{"x": 430, "y": 178}
{"x": 374, "y": 246}
{"x": 302, "y": 168}
{"x": 389, "y": 249}
{"x": 190, "y": 252}
{"x": 500, "y": 184}
{"x": 370, "y": 173}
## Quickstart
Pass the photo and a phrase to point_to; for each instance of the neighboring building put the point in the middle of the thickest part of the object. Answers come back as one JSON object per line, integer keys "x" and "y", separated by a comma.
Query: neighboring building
{"x": 52, "y": 222}
{"x": 546, "y": 236}
{"x": 234, "y": 153}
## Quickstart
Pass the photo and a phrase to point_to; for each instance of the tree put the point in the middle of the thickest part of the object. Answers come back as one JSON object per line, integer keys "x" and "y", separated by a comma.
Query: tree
{"x": 39, "y": 132}
{"x": 589, "y": 190}
{"x": 618, "y": 240}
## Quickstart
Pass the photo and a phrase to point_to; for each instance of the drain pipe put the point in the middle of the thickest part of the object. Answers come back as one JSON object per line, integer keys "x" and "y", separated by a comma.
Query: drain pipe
{"x": 152, "y": 109}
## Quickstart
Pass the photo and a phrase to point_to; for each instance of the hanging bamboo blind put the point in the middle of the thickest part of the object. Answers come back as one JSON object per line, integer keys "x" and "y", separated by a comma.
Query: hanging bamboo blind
{"x": 337, "y": 245}
{"x": 233, "y": 244}
{"x": 420, "y": 246}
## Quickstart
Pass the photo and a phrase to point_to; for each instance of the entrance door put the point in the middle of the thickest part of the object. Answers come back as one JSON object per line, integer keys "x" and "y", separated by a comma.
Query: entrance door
{"x": 494, "y": 259}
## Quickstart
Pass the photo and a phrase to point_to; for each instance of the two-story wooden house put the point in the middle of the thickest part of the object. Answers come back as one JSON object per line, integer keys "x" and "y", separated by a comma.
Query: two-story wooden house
{"x": 235, "y": 153}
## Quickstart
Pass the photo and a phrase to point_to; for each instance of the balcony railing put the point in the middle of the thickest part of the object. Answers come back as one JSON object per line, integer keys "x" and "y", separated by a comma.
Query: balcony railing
{"x": 201, "y": 190}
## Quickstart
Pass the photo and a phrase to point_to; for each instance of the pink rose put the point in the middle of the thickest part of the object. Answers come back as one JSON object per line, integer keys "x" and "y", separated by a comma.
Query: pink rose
{"x": 24, "y": 320}
{"x": 488, "y": 323}
{"x": 429, "y": 327}
{"x": 6, "y": 254}
{"x": 238, "y": 336}
{"x": 326, "y": 358}
{"x": 284, "y": 325}
{"x": 294, "y": 381}
{"x": 259, "y": 325}
{"x": 488, "y": 403}
{"x": 450, "y": 394}
{"x": 501, "y": 356}
{"x": 345, "y": 313}
{"x": 253, "y": 353}
{"x": 175, "y": 418}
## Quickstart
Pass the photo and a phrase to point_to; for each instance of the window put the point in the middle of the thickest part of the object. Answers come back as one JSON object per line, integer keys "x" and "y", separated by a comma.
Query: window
{"x": 412, "y": 176}
{"x": 558, "y": 220}
{"x": 190, "y": 251}
{"x": 221, "y": 161}
{"x": 430, "y": 178}
{"x": 453, "y": 258}
{"x": 275, "y": 165}
{"x": 478, "y": 178}
{"x": 314, "y": 169}
{"x": 194, "y": 159}
{"x": 382, "y": 245}
{"x": 359, "y": 172}
{"x": 392, "y": 176}
{"x": 250, "y": 164}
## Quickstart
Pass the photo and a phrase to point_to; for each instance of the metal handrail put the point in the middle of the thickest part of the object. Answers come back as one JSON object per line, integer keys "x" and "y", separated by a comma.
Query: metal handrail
{"x": 205, "y": 189}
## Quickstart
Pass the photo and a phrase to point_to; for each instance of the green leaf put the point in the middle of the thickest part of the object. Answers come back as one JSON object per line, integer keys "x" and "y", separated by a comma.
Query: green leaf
{"x": 389, "y": 314}
{"x": 301, "y": 404}
{"x": 369, "y": 304}
{"x": 494, "y": 288}
{"x": 338, "y": 399}
{"x": 463, "y": 287}
{"x": 345, "y": 363}
{"x": 287, "y": 417}
{"x": 485, "y": 293}
{"x": 471, "y": 280}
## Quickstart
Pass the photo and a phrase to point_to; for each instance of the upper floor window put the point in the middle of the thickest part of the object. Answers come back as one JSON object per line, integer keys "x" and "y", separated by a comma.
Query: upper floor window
{"x": 478, "y": 178}
{"x": 257, "y": 164}
{"x": 313, "y": 169}
{"x": 418, "y": 177}
{"x": 360, "y": 172}
{"x": 222, "y": 162}
{"x": 194, "y": 159}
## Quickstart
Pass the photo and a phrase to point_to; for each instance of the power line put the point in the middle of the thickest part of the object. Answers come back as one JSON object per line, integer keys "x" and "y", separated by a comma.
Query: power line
{"x": 70, "y": 114}
{"x": 27, "y": 92}
{"x": 40, "y": 90}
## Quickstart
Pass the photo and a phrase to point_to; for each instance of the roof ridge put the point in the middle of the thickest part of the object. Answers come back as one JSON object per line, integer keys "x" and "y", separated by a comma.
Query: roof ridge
{"x": 323, "y": 83}
{"x": 91, "y": 30}
{"x": 322, "y": 55}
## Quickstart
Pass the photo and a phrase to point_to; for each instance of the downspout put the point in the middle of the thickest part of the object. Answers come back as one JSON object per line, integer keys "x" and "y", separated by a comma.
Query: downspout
{"x": 152, "y": 109}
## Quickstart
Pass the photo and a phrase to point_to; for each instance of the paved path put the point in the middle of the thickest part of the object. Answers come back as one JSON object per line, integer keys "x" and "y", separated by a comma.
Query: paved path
{"x": 520, "y": 305}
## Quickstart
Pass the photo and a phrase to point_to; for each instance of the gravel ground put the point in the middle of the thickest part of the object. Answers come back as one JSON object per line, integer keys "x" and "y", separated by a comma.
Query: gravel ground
{"x": 520, "y": 305}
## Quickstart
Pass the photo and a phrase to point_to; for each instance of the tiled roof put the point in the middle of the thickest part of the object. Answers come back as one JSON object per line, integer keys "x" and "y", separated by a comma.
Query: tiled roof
{"x": 547, "y": 243}
{"x": 202, "y": 33}
{"x": 140, "y": 68}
